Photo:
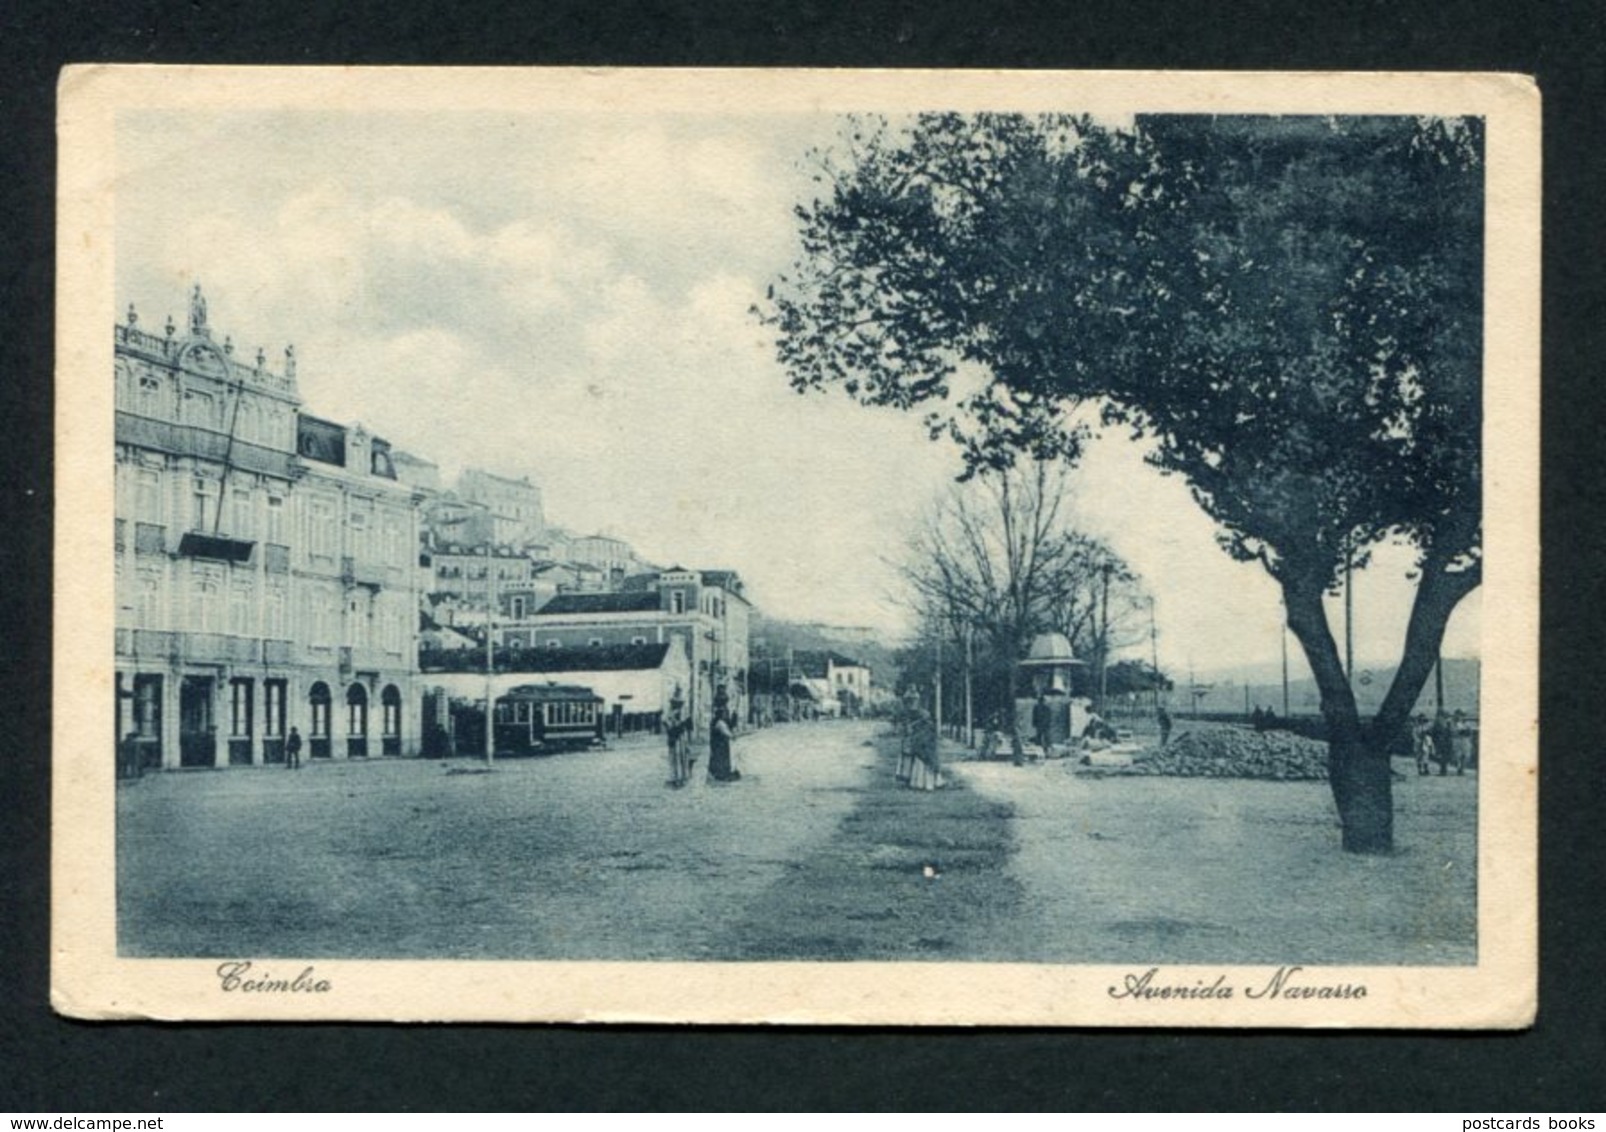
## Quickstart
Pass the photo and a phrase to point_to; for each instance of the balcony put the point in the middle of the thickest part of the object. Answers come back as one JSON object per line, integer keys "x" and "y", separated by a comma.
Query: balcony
{"x": 277, "y": 652}
{"x": 154, "y": 643}
{"x": 218, "y": 548}
{"x": 219, "y": 648}
{"x": 359, "y": 572}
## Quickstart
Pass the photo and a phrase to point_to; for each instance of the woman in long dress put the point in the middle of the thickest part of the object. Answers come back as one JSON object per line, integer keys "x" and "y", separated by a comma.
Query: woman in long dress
{"x": 720, "y": 767}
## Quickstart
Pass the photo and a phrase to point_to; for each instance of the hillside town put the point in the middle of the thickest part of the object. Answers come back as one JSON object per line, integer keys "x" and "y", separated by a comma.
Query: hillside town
{"x": 286, "y": 579}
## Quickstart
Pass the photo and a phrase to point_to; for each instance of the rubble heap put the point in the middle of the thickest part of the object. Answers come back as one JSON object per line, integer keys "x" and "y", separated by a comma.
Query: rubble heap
{"x": 1231, "y": 753}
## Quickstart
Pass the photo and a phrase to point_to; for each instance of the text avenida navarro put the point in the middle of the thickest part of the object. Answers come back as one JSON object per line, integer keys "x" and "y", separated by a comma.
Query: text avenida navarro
{"x": 1282, "y": 984}
{"x": 237, "y": 976}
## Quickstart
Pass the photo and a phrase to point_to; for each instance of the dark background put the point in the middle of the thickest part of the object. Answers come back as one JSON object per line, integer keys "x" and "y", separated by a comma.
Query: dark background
{"x": 51, "y": 1064}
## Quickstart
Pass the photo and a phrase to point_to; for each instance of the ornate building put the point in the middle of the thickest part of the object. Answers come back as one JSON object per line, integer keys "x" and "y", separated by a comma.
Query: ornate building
{"x": 266, "y": 563}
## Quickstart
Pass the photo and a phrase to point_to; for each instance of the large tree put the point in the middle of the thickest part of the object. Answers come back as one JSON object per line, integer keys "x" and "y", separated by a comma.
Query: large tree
{"x": 1287, "y": 311}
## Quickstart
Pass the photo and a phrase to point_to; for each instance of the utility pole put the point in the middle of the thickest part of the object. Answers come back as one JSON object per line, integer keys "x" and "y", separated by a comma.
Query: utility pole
{"x": 1104, "y": 644}
{"x": 1438, "y": 685}
{"x": 1284, "y": 634}
{"x": 970, "y": 711}
{"x": 1154, "y": 656}
{"x": 490, "y": 654}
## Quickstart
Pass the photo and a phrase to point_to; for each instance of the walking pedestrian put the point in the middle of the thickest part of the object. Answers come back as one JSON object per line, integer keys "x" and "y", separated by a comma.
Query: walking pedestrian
{"x": 292, "y": 750}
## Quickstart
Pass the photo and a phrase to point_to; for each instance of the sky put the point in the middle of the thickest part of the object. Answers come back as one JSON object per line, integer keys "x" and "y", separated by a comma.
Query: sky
{"x": 568, "y": 296}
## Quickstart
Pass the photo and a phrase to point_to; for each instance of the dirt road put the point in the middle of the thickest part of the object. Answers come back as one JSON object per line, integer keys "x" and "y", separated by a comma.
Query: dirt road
{"x": 582, "y": 856}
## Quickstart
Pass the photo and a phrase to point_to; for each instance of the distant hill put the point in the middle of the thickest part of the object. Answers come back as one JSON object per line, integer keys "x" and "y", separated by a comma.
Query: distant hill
{"x": 773, "y": 637}
{"x": 1462, "y": 677}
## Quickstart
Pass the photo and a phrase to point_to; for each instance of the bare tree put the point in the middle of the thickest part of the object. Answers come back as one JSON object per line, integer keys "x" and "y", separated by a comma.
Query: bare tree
{"x": 997, "y": 561}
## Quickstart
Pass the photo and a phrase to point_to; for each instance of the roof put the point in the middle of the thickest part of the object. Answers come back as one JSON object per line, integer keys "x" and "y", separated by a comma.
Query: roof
{"x": 814, "y": 662}
{"x": 600, "y": 603}
{"x": 1050, "y": 649}
{"x": 550, "y": 692}
{"x": 598, "y": 658}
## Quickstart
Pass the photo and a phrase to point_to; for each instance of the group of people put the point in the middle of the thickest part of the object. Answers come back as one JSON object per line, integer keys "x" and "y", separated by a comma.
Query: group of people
{"x": 1442, "y": 742}
{"x": 679, "y": 732}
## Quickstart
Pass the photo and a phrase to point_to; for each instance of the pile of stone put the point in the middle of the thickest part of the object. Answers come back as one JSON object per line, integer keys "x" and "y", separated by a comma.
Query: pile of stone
{"x": 1233, "y": 753}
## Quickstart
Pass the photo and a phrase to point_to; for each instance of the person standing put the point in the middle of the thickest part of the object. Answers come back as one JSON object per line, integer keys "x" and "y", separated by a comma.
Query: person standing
{"x": 1165, "y": 724}
{"x": 720, "y": 766}
{"x": 292, "y": 750}
{"x": 128, "y": 756}
{"x": 676, "y": 727}
{"x": 1042, "y": 720}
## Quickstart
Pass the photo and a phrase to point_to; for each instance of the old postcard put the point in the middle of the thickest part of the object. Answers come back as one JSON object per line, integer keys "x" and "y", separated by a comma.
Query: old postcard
{"x": 797, "y": 547}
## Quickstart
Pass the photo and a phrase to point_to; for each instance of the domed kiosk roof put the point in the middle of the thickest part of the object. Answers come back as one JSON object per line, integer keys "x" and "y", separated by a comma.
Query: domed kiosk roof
{"x": 1050, "y": 649}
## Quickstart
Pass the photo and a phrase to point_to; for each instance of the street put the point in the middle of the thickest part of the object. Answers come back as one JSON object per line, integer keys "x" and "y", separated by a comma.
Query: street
{"x": 816, "y": 853}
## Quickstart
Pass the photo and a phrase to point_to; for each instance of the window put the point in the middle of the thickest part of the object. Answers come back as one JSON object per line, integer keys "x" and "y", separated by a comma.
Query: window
{"x": 149, "y": 385}
{"x": 554, "y": 644}
{"x": 677, "y": 602}
{"x": 203, "y": 601}
{"x": 638, "y": 640}
{"x": 276, "y": 519}
{"x": 148, "y": 600}
{"x": 274, "y": 612}
{"x": 240, "y": 525}
{"x": 391, "y": 548}
{"x": 517, "y": 607}
{"x": 390, "y": 718}
{"x": 325, "y": 616}
{"x": 595, "y": 642}
{"x": 319, "y": 702}
{"x": 273, "y": 708}
{"x": 240, "y": 608}
{"x": 199, "y": 409}
{"x": 148, "y": 496}
{"x": 321, "y": 529}
{"x": 201, "y": 507}
{"x": 359, "y": 524}
{"x": 240, "y": 707}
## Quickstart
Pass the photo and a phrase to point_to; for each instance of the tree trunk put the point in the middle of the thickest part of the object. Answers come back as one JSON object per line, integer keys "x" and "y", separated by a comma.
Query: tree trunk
{"x": 1359, "y": 776}
{"x": 1437, "y": 596}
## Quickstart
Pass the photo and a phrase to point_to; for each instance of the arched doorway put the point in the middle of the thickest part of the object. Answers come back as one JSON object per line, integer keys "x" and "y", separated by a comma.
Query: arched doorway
{"x": 356, "y": 722}
{"x": 390, "y": 725}
{"x": 318, "y": 734}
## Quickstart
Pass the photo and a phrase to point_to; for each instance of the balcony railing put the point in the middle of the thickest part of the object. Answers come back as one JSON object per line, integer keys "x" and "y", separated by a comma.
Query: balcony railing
{"x": 219, "y": 648}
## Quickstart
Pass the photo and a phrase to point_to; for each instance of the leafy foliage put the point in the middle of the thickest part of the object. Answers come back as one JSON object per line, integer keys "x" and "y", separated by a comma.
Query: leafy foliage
{"x": 1287, "y": 311}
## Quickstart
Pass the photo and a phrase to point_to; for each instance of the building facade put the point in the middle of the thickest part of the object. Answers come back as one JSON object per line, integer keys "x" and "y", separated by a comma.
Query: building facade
{"x": 704, "y": 610}
{"x": 636, "y": 682}
{"x": 513, "y": 506}
{"x": 265, "y": 563}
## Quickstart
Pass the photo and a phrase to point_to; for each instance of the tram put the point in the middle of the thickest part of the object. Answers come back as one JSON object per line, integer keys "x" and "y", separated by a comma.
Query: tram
{"x": 547, "y": 717}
